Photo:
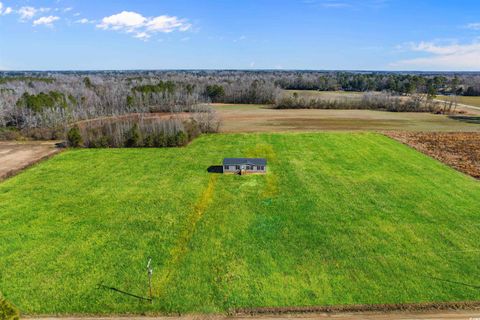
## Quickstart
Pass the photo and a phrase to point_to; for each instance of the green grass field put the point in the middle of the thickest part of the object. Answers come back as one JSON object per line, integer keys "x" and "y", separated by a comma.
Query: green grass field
{"x": 340, "y": 218}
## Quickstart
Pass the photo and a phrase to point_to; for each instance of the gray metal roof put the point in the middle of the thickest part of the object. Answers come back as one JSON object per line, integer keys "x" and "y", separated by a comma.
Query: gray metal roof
{"x": 240, "y": 161}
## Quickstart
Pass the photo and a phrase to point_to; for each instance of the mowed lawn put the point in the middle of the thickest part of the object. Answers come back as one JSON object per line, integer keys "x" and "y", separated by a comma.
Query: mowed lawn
{"x": 341, "y": 218}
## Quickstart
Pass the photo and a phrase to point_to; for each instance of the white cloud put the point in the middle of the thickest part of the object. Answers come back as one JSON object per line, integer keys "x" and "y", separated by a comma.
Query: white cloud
{"x": 347, "y": 4}
{"x": 167, "y": 24}
{"x": 335, "y": 5}
{"x": 84, "y": 21}
{"x": 443, "y": 57}
{"x": 142, "y": 36}
{"x": 126, "y": 20}
{"x": 143, "y": 27}
{"x": 241, "y": 38}
{"x": 46, "y": 21}
{"x": 7, "y": 10}
{"x": 473, "y": 26}
{"x": 27, "y": 13}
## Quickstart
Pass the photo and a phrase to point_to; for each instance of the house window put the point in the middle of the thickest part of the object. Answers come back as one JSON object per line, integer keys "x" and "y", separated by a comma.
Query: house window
{"x": 225, "y": 167}
{"x": 237, "y": 167}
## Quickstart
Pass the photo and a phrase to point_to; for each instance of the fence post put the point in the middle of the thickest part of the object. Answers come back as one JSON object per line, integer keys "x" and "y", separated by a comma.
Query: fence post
{"x": 150, "y": 272}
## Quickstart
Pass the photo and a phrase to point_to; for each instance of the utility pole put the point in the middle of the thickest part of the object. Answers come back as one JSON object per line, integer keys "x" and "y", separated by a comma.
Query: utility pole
{"x": 149, "y": 273}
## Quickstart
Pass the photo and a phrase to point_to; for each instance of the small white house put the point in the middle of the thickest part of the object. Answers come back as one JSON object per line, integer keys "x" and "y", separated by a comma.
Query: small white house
{"x": 244, "y": 166}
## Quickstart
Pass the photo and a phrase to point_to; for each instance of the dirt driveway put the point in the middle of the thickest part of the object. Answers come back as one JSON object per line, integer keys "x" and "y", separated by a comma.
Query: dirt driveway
{"x": 464, "y": 315}
{"x": 15, "y": 156}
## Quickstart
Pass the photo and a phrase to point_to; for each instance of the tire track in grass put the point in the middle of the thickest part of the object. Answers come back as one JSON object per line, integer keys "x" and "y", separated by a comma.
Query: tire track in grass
{"x": 181, "y": 247}
{"x": 265, "y": 150}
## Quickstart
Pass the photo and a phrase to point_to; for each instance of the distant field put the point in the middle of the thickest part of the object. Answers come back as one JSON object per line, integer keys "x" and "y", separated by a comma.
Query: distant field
{"x": 315, "y": 94}
{"x": 340, "y": 218}
{"x": 471, "y": 101}
{"x": 330, "y": 95}
{"x": 260, "y": 118}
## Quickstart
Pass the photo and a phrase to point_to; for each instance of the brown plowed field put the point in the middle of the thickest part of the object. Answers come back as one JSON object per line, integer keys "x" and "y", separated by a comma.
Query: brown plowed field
{"x": 460, "y": 150}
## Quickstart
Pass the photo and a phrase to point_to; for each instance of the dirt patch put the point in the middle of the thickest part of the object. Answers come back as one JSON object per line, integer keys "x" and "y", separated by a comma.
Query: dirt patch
{"x": 430, "y": 315}
{"x": 460, "y": 150}
{"x": 409, "y": 307}
{"x": 17, "y": 156}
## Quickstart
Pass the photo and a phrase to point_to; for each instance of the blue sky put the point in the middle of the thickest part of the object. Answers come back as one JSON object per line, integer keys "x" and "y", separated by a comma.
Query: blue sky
{"x": 240, "y": 34}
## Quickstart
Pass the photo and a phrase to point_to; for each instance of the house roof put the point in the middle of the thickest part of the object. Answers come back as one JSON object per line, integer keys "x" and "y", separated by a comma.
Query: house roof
{"x": 240, "y": 161}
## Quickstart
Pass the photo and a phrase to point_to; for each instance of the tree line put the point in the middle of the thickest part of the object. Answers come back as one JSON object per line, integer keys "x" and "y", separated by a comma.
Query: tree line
{"x": 33, "y": 101}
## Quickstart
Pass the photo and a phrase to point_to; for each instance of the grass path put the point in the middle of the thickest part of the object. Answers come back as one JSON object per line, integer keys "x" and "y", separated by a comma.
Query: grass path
{"x": 181, "y": 247}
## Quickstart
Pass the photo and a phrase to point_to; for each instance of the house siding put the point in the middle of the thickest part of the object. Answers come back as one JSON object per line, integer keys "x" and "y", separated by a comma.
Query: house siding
{"x": 245, "y": 165}
{"x": 233, "y": 171}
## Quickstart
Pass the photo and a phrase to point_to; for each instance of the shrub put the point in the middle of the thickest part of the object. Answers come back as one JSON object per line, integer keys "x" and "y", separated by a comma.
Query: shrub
{"x": 9, "y": 134}
{"x": 148, "y": 142}
{"x": 74, "y": 137}
{"x": 138, "y": 132}
{"x": 101, "y": 142}
{"x": 181, "y": 138}
{"x": 132, "y": 137}
{"x": 8, "y": 310}
{"x": 43, "y": 133}
{"x": 192, "y": 128}
{"x": 159, "y": 140}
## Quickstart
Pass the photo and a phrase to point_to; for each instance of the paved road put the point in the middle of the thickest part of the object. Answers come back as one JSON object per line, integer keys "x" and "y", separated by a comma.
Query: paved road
{"x": 15, "y": 156}
{"x": 464, "y": 315}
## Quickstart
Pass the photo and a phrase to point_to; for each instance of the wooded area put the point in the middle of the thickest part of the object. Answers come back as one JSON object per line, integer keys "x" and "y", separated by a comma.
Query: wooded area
{"x": 30, "y": 102}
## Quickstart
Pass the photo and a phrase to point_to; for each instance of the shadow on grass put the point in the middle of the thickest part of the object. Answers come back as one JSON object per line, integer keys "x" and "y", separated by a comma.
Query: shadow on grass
{"x": 215, "y": 169}
{"x": 101, "y": 286}
{"x": 454, "y": 282}
{"x": 467, "y": 119}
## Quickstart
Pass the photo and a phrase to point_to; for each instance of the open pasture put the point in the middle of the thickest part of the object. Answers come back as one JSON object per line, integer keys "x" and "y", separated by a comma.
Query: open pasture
{"x": 470, "y": 101}
{"x": 327, "y": 95}
{"x": 340, "y": 218}
{"x": 260, "y": 118}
